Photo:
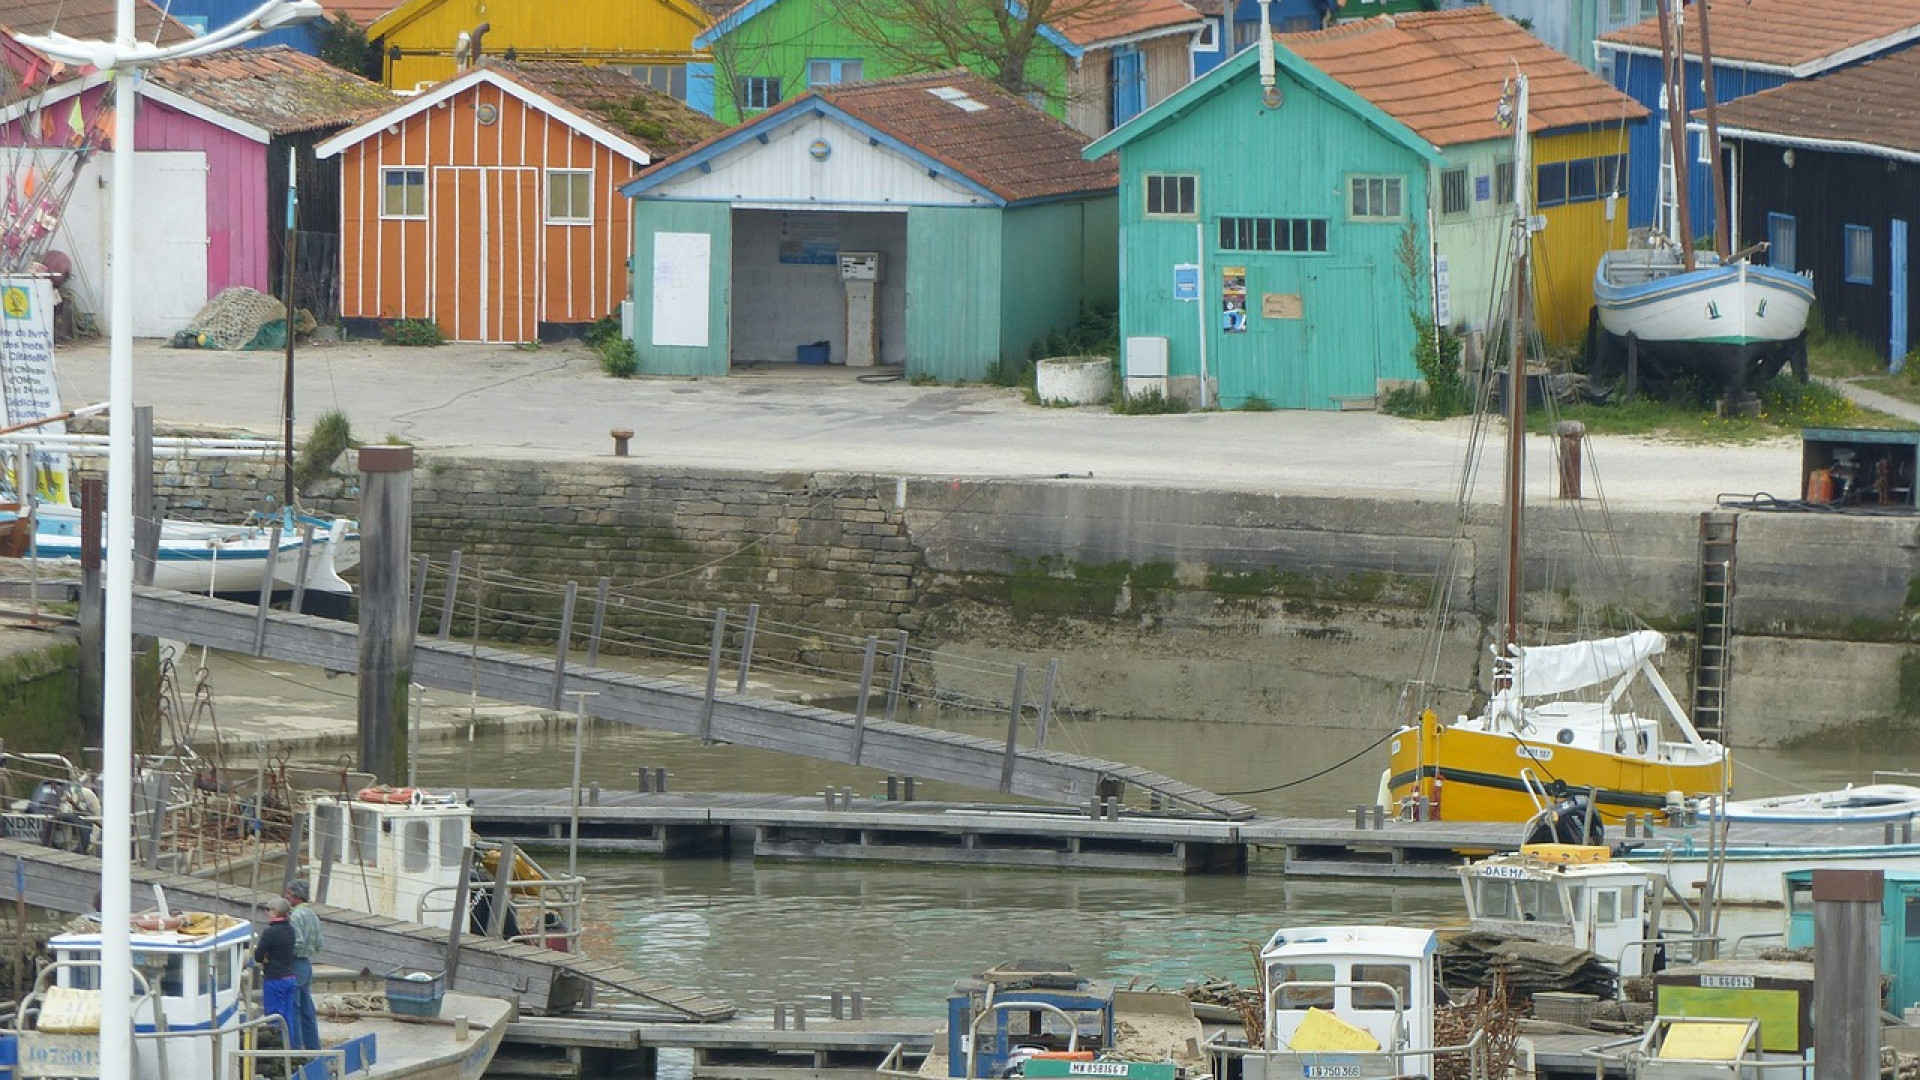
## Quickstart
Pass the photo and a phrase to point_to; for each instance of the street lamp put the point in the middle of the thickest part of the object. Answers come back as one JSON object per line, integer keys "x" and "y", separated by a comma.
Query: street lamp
{"x": 125, "y": 56}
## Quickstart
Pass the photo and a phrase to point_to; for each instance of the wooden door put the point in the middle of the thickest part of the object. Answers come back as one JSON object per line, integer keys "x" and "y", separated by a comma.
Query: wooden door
{"x": 486, "y": 237}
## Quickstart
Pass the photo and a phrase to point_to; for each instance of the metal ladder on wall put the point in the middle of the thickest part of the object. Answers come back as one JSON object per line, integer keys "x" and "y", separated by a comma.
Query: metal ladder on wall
{"x": 1712, "y": 667}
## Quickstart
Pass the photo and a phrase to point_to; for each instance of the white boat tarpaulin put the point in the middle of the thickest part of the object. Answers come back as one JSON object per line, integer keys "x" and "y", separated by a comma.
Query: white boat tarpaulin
{"x": 1539, "y": 670}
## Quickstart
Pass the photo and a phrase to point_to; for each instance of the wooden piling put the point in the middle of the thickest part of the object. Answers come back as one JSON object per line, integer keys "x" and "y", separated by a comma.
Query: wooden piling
{"x": 386, "y": 630}
{"x": 1846, "y": 953}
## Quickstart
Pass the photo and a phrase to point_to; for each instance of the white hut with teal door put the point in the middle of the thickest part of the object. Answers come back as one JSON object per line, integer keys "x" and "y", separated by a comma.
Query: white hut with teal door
{"x": 934, "y": 224}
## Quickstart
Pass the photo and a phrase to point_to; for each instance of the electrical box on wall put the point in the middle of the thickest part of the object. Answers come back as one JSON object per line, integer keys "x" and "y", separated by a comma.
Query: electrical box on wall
{"x": 859, "y": 266}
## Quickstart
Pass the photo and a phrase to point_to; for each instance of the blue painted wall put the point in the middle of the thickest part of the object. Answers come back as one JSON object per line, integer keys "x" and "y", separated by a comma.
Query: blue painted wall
{"x": 219, "y": 13}
{"x": 1639, "y": 77}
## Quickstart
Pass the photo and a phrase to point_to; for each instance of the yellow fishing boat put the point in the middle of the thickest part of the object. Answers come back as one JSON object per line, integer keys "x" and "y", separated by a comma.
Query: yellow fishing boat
{"x": 1559, "y": 739}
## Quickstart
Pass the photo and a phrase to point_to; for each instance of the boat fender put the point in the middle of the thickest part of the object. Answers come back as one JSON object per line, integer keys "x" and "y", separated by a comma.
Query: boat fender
{"x": 392, "y": 796}
{"x": 155, "y": 922}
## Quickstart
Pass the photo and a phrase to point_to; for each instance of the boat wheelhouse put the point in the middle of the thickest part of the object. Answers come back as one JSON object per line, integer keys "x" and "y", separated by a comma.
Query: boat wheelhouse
{"x": 1567, "y": 894}
{"x": 1378, "y": 979}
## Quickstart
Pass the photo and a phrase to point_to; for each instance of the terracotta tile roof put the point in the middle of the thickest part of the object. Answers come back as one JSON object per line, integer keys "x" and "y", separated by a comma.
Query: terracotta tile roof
{"x": 1094, "y": 23}
{"x": 89, "y": 20}
{"x": 1442, "y": 73}
{"x": 276, "y": 88}
{"x": 1876, "y": 103}
{"x": 1007, "y": 146}
{"x": 658, "y": 123}
{"x": 1795, "y": 35}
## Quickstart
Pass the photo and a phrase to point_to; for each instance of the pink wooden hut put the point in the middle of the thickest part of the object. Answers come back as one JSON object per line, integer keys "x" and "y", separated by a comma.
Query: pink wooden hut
{"x": 215, "y": 137}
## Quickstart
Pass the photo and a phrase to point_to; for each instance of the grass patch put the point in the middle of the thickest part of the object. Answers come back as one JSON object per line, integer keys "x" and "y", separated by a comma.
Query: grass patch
{"x": 1147, "y": 403}
{"x": 618, "y": 357}
{"x": 1786, "y": 406}
{"x": 412, "y": 333}
{"x": 330, "y": 437}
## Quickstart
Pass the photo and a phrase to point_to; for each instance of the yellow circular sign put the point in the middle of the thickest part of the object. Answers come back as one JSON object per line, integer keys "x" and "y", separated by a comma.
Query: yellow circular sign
{"x": 14, "y": 300}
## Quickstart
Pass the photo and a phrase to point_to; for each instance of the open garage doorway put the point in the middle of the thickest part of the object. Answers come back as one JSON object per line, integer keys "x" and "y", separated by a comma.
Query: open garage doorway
{"x": 789, "y": 293}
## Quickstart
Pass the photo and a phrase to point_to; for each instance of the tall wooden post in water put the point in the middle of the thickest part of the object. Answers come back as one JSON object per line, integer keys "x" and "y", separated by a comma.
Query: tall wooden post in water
{"x": 386, "y": 616}
{"x": 1846, "y": 953}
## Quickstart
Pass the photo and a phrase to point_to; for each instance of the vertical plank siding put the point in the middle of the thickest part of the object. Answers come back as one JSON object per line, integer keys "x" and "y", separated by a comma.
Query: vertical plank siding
{"x": 236, "y": 192}
{"x": 1639, "y": 77}
{"x": 611, "y": 31}
{"x": 515, "y": 270}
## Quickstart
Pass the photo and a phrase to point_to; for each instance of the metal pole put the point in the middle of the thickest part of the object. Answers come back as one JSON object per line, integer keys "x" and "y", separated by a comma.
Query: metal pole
{"x": 599, "y": 620}
{"x": 286, "y": 376}
{"x": 1046, "y": 705}
{"x": 560, "y": 650}
{"x": 899, "y": 674}
{"x": 573, "y": 811}
{"x": 453, "y": 592}
{"x": 1013, "y": 728}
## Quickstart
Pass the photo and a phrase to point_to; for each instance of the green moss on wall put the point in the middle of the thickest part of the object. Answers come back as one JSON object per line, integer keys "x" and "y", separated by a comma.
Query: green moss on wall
{"x": 40, "y": 699}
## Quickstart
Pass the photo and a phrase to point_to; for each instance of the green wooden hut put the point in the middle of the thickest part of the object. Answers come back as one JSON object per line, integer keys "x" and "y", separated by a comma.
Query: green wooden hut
{"x": 1265, "y": 239}
{"x": 935, "y": 224}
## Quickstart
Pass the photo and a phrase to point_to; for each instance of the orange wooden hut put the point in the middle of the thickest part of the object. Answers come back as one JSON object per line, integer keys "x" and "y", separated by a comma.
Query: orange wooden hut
{"x": 489, "y": 204}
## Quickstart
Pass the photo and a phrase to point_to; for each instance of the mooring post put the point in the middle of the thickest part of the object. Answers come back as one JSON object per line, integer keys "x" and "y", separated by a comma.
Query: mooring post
{"x": 1046, "y": 705}
{"x": 266, "y": 590}
{"x": 453, "y": 593}
{"x": 146, "y": 515}
{"x": 899, "y": 674}
{"x": 1846, "y": 952}
{"x": 1013, "y": 728}
{"x": 386, "y": 635}
{"x": 560, "y": 649}
{"x": 296, "y": 845}
{"x": 600, "y": 591}
{"x": 93, "y": 502}
{"x": 502, "y": 895}
{"x": 746, "y": 647}
{"x": 713, "y": 673}
{"x": 300, "y": 568}
{"x": 1572, "y": 433}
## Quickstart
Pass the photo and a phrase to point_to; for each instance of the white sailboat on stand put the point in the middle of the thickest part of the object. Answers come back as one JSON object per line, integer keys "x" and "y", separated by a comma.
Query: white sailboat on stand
{"x": 1712, "y": 313}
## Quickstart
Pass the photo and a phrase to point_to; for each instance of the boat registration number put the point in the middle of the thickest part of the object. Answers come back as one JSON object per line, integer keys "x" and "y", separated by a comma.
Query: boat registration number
{"x": 1332, "y": 1072}
{"x": 1533, "y": 753}
{"x": 1503, "y": 871}
{"x": 1727, "y": 982}
{"x": 1097, "y": 1068}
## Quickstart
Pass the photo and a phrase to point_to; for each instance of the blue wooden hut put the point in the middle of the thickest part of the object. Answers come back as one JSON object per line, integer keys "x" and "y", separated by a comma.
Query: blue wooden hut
{"x": 1757, "y": 45}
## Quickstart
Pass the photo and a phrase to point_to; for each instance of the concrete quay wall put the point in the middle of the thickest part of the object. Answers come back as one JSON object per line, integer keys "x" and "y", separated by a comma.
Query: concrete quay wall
{"x": 1211, "y": 604}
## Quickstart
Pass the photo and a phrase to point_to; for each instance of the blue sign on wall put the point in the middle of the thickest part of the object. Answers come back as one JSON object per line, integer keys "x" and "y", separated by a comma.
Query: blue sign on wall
{"x": 1186, "y": 281}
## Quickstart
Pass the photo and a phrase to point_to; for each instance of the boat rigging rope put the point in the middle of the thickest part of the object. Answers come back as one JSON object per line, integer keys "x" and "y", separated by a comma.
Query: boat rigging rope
{"x": 1368, "y": 749}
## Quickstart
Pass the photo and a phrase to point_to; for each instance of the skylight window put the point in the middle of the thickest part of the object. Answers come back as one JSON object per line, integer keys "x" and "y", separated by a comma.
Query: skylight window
{"x": 956, "y": 98}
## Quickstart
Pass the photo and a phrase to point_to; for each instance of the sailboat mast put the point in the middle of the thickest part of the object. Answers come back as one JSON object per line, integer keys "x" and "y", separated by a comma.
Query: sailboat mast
{"x": 1721, "y": 210}
{"x": 1513, "y": 490}
{"x": 1673, "y": 70}
{"x": 286, "y": 376}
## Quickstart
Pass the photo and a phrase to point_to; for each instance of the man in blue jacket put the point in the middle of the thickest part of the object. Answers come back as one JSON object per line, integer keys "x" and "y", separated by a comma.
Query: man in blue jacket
{"x": 274, "y": 955}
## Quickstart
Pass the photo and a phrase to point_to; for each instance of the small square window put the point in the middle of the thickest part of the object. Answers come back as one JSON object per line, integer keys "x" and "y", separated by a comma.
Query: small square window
{"x": 1208, "y": 39}
{"x": 1550, "y": 184}
{"x": 403, "y": 193}
{"x": 1503, "y": 183}
{"x": 1582, "y": 183}
{"x": 1375, "y": 197}
{"x": 1859, "y": 255}
{"x": 759, "y": 92}
{"x": 569, "y": 196}
{"x": 834, "y": 72}
{"x": 1171, "y": 195}
{"x": 1453, "y": 191}
{"x": 1783, "y": 244}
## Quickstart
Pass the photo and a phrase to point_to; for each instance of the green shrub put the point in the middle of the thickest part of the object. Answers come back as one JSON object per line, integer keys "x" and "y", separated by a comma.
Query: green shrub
{"x": 1256, "y": 403}
{"x": 330, "y": 437}
{"x": 1148, "y": 403}
{"x": 1010, "y": 373}
{"x": 412, "y": 332}
{"x": 619, "y": 358}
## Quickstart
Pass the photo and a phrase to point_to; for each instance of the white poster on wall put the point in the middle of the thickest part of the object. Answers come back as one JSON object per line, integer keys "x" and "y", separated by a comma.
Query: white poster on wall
{"x": 682, "y": 264}
{"x": 28, "y": 389}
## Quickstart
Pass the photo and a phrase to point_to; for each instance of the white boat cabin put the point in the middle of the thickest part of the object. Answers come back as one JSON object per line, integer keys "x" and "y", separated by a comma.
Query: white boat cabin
{"x": 1377, "y": 978}
{"x": 399, "y": 852}
{"x": 392, "y": 852}
{"x": 189, "y": 967}
{"x": 1568, "y": 895}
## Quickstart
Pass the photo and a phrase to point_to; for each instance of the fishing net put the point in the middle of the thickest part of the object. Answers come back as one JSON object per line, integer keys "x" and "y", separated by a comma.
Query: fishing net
{"x": 238, "y": 318}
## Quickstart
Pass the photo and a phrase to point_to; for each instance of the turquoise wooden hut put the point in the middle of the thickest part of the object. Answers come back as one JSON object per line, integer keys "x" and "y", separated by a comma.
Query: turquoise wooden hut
{"x": 1265, "y": 228}
{"x": 934, "y": 224}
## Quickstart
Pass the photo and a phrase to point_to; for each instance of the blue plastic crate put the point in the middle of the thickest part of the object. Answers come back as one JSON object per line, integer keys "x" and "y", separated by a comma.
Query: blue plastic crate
{"x": 416, "y": 993}
{"x": 820, "y": 352}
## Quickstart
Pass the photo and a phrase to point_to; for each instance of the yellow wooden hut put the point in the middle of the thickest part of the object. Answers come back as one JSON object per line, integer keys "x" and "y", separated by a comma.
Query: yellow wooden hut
{"x": 423, "y": 40}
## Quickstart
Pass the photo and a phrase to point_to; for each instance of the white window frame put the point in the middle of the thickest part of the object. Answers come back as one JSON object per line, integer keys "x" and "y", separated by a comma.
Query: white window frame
{"x": 771, "y": 92}
{"x": 1146, "y": 195}
{"x": 837, "y": 68}
{"x": 1392, "y": 189}
{"x": 576, "y": 215}
{"x": 1207, "y": 39}
{"x": 386, "y": 174}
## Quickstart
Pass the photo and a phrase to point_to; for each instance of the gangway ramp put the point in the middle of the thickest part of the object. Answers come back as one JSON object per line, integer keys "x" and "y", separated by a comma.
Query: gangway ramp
{"x": 668, "y": 705}
{"x": 541, "y": 980}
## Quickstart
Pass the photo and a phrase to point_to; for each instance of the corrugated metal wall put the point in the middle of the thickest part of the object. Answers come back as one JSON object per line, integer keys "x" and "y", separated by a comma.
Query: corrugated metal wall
{"x": 1042, "y": 285}
{"x": 715, "y": 221}
{"x": 953, "y": 308}
{"x": 1577, "y": 234}
{"x": 1345, "y": 314}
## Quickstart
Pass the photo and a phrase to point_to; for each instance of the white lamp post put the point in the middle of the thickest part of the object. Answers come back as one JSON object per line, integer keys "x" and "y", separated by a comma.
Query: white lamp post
{"x": 124, "y": 56}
